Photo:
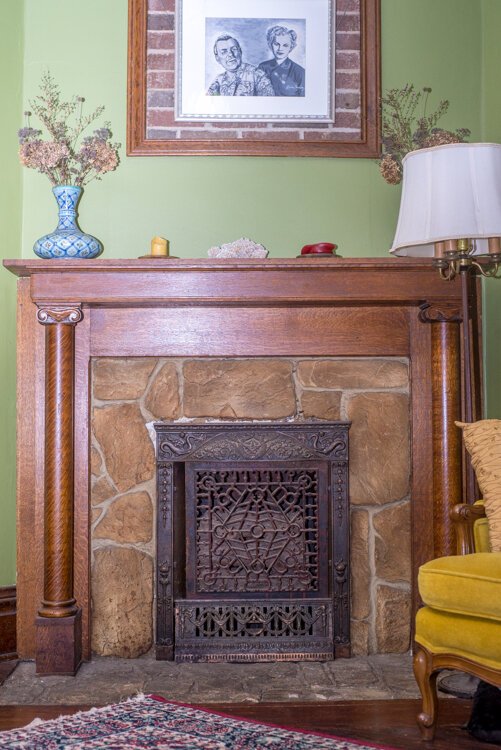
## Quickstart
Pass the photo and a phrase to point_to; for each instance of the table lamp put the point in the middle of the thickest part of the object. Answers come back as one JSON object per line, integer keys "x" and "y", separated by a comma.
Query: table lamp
{"x": 450, "y": 211}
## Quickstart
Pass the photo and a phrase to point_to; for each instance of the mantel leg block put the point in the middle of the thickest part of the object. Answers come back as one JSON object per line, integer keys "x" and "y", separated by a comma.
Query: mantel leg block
{"x": 59, "y": 645}
{"x": 342, "y": 651}
{"x": 164, "y": 653}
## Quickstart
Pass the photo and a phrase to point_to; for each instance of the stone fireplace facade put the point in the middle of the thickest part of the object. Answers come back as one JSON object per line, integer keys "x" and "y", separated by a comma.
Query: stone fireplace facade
{"x": 129, "y": 394}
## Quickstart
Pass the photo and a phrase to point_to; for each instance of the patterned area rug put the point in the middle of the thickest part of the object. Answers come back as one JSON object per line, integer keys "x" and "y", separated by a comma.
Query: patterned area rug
{"x": 151, "y": 722}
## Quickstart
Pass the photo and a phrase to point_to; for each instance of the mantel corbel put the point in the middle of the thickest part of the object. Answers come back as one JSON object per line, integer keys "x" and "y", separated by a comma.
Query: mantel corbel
{"x": 440, "y": 311}
{"x": 67, "y": 314}
{"x": 59, "y": 617}
{"x": 445, "y": 318}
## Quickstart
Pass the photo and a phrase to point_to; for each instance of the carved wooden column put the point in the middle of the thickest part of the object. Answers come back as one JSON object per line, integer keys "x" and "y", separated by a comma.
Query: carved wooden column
{"x": 445, "y": 322}
{"x": 58, "y": 626}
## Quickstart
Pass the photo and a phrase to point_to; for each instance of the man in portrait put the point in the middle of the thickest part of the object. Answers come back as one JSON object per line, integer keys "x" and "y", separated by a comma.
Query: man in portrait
{"x": 239, "y": 78}
{"x": 286, "y": 76}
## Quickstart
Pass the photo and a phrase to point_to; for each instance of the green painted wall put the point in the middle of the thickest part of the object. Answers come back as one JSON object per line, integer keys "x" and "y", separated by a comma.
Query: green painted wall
{"x": 11, "y": 77}
{"x": 281, "y": 202}
{"x": 491, "y": 131}
{"x": 197, "y": 202}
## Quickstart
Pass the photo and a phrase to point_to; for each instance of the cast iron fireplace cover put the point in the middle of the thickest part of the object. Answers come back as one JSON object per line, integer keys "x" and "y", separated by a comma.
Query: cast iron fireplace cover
{"x": 252, "y": 541}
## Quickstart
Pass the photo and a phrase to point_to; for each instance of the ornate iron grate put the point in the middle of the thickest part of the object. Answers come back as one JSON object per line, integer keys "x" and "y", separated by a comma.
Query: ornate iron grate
{"x": 252, "y": 542}
{"x": 253, "y": 620}
{"x": 255, "y": 530}
{"x": 254, "y": 631}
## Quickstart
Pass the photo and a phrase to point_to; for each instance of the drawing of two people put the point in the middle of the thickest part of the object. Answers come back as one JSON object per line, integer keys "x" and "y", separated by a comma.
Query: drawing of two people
{"x": 280, "y": 76}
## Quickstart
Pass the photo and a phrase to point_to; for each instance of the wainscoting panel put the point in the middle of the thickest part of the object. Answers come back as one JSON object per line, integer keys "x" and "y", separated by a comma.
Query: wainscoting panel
{"x": 8, "y": 623}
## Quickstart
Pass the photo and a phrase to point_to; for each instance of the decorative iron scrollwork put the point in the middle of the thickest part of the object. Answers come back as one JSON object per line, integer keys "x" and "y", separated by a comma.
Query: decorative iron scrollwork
{"x": 164, "y": 602}
{"x": 236, "y": 442}
{"x": 256, "y": 530}
{"x": 252, "y": 621}
{"x": 330, "y": 443}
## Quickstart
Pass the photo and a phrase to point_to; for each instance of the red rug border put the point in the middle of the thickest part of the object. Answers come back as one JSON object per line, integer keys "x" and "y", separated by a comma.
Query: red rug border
{"x": 360, "y": 743}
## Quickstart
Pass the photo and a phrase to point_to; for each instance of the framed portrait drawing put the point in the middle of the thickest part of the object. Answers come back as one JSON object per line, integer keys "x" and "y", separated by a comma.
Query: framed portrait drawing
{"x": 254, "y": 77}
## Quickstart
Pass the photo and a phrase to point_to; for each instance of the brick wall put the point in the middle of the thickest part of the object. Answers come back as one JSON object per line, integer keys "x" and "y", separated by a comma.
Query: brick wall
{"x": 160, "y": 82}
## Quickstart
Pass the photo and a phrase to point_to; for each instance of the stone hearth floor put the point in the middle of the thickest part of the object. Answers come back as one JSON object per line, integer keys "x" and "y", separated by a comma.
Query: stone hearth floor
{"x": 104, "y": 680}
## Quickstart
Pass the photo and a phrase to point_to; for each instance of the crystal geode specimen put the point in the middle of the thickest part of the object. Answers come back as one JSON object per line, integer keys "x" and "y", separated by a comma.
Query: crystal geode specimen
{"x": 242, "y": 248}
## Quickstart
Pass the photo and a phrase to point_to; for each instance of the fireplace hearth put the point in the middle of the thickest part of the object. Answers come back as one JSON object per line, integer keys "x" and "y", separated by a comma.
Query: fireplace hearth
{"x": 252, "y": 542}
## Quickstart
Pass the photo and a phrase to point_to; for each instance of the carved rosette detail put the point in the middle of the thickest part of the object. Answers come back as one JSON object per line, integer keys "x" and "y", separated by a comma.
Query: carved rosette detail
{"x": 439, "y": 312}
{"x": 165, "y": 492}
{"x": 59, "y": 314}
{"x": 339, "y": 490}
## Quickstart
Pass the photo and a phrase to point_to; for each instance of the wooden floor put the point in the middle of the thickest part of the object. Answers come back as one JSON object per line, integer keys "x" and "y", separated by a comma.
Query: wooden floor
{"x": 389, "y": 723}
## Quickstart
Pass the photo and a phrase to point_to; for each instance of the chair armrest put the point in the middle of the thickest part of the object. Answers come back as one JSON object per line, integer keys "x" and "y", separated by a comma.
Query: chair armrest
{"x": 464, "y": 516}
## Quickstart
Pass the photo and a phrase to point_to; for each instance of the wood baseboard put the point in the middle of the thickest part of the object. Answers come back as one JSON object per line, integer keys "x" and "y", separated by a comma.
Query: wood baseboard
{"x": 8, "y": 647}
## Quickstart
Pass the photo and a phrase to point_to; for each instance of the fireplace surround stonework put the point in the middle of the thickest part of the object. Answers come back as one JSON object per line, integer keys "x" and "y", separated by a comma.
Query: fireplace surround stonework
{"x": 129, "y": 394}
{"x": 183, "y": 312}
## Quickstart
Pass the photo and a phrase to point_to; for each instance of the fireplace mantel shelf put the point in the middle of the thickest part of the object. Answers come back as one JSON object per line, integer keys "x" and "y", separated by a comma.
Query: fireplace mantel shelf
{"x": 26, "y": 267}
{"x": 72, "y": 311}
{"x": 234, "y": 281}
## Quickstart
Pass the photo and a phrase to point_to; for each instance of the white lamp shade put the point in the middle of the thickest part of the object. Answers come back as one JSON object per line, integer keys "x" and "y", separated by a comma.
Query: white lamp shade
{"x": 449, "y": 192}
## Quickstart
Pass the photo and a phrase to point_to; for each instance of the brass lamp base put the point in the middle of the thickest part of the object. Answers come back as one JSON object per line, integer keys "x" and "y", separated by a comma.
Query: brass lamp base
{"x": 454, "y": 256}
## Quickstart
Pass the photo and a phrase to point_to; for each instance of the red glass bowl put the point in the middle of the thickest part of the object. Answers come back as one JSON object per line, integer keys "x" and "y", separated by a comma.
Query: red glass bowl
{"x": 319, "y": 248}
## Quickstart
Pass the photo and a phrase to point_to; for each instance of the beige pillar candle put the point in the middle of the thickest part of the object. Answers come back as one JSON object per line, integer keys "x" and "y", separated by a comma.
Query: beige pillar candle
{"x": 159, "y": 247}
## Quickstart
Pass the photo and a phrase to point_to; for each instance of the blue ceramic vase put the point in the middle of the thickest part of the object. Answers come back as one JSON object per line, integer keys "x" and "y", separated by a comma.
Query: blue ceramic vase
{"x": 67, "y": 240}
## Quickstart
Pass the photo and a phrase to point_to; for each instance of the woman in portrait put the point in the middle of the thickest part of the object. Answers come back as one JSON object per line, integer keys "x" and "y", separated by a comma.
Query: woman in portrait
{"x": 286, "y": 76}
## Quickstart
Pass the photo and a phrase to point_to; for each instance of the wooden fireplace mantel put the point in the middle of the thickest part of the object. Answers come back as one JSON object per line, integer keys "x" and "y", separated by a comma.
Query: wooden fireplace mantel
{"x": 70, "y": 311}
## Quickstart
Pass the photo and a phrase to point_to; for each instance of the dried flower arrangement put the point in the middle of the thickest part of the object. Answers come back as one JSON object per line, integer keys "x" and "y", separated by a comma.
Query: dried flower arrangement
{"x": 404, "y": 130}
{"x": 61, "y": 157}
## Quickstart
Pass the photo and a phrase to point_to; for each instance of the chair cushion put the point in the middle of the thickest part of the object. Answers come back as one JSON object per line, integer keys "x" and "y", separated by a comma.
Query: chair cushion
{"x": 470, "y": 637}
{"x": 481, "y": 535}
{"x": 483, "y": 442}
{"x": 463, "y": 584}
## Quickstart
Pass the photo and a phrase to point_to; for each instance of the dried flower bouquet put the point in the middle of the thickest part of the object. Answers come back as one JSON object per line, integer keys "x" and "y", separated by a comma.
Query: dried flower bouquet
{"x": 405, "y": 131}
{"x": 63, "y": 157}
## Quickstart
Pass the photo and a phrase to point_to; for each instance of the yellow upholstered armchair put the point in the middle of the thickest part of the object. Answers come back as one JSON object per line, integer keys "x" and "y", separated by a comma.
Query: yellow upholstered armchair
{"x": 460, "y": 625}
